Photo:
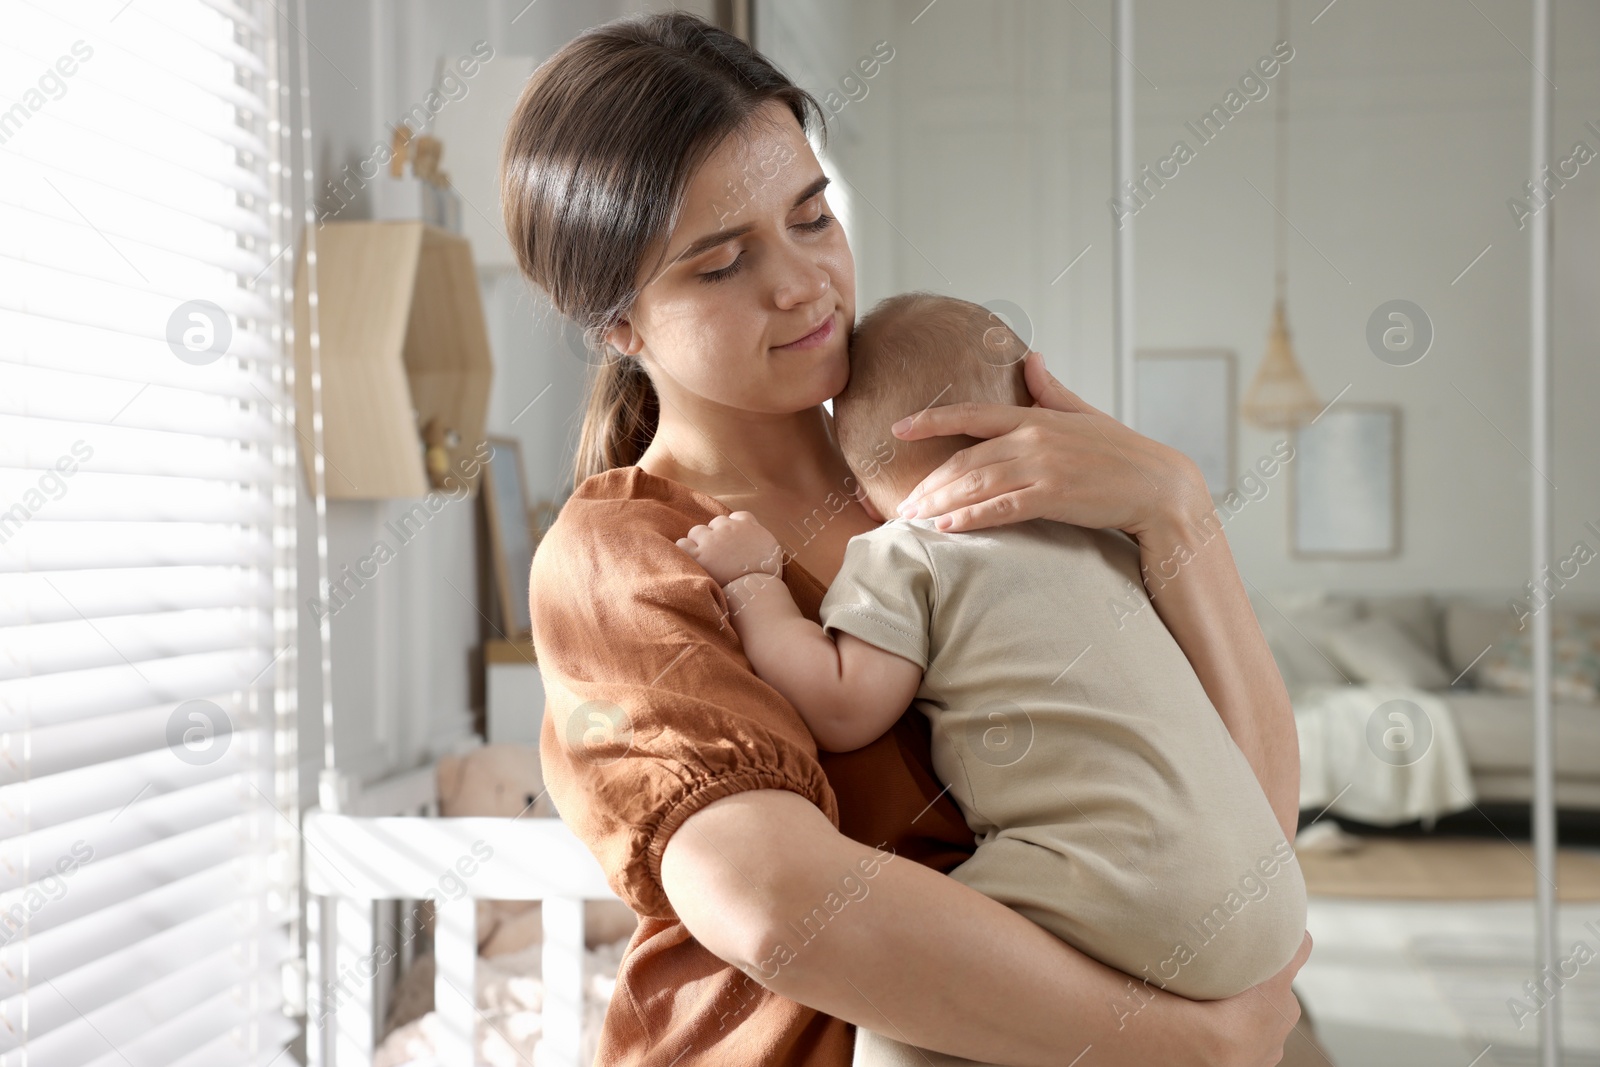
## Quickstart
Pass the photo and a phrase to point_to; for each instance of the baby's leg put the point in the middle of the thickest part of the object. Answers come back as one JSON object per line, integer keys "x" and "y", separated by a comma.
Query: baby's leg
{"x": 1215, "y": 922}
{"x": 875, "y": 1050}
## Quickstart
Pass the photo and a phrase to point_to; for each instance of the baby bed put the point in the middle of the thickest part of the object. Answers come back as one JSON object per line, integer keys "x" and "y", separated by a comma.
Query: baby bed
{"x": 378, "y": 849}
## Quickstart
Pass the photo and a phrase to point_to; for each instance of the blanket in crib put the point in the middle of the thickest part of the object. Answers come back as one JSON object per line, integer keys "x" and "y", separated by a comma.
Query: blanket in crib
{"x": 510, "y": 1002}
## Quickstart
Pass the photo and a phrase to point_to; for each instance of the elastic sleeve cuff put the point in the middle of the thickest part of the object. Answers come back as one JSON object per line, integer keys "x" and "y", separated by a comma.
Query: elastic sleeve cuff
{"x": 700, "y": 794}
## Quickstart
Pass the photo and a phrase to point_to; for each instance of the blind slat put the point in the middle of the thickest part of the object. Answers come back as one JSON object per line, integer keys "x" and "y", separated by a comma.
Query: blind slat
{"x": 226, "y": 49}
{"x": 30, "y": 442}
{"x": 41, "y": 803}
{"x": 135, "y": 363}
{"x": 137, "y": 293}
{"x": 264, "y": 1045}
{"x": 41, "y": 545}
{"x": 85, "y": 496}
{"x": 89, "y": 401}
{"x": 65, "y": 595}
{"x": 202, "y": 75}
{"x": 81, "y": 943}
{"x": 97, "y": 839}
{"x": 20, "y": 168}
{"x": 53, "y": 650}
{"x": 59, "y": 1035}
{"x": 206, "y": 1026}
{"x": 206, "y": 159}
{"x": 103, "y": 887}
{"x": 138, "y": 693}
{"x": 141, "y": 231}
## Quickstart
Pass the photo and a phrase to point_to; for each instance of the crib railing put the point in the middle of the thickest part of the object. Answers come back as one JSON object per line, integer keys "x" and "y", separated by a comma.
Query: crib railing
{"x": 351, "y": 861}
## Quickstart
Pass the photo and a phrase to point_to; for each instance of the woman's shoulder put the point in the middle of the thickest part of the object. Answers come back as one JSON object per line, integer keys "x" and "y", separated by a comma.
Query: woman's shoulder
{"x": 614, "y": 542}
{"x": 621, "y": 510}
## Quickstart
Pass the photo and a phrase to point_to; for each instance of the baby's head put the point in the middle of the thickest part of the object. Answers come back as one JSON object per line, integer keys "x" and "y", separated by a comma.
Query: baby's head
{"x": 911, "y": 352}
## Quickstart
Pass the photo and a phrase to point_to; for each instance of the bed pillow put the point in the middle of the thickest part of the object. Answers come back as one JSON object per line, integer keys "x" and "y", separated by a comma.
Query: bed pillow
{"x": 1296, "y": 626}
{"x": 1379, "y": 650}
{"x": 1414, "y": 613}
{"x": 1469, "y": 628}
{"x": 1574, "y": 660}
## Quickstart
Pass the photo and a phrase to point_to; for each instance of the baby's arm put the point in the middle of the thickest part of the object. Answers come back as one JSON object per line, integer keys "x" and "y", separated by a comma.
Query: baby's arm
{"x": 849, "y": 692}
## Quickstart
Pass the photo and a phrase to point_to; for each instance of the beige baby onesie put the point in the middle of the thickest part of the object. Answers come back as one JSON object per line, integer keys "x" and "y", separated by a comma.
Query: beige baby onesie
{"x": 1110, "y": 804}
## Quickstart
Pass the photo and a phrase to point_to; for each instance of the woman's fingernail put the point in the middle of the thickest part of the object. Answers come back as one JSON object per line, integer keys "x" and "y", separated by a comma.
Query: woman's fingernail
{"x": 902, "y": 426}
{"x": 906, "y": 509}
{"x": 943, "y": 522}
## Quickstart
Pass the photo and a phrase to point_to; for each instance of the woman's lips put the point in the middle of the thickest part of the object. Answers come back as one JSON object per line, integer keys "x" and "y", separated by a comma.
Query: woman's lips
{"x": 816, "y": 337}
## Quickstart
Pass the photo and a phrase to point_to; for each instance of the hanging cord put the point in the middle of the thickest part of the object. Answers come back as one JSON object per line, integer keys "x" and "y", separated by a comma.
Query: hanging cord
{"x": 1281, "y": 114}
{"x": 286, "y": 682}
{"x": 328, "y": 797}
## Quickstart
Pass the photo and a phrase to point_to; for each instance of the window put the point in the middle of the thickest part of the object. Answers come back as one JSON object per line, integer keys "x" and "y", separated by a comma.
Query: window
{"x": 148, "y": 812}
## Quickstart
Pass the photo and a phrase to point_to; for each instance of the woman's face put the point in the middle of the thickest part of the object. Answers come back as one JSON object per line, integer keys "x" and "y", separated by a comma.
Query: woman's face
{"x": 756, "y": 263}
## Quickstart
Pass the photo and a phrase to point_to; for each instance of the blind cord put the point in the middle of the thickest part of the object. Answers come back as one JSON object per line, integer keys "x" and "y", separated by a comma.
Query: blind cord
{"x": 328, "y": 797}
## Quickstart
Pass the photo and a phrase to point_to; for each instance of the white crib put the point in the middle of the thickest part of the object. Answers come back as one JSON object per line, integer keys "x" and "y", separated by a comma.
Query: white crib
{"x": 370, "y": 854}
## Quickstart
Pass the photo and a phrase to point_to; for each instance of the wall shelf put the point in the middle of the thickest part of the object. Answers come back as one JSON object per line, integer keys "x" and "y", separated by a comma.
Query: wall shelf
{"x": 402, "y": 342}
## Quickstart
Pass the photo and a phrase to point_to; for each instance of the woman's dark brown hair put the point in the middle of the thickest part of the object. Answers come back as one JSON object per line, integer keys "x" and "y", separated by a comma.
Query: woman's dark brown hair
{"x": 597, "y": 158}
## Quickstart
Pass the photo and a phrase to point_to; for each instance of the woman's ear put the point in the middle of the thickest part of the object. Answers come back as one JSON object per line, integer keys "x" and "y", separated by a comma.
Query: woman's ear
{"x": 624, "y": 338}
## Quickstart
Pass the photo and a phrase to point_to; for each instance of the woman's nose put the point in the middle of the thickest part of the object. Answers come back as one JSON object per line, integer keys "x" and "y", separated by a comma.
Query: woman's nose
{"x": 803, "y": 282}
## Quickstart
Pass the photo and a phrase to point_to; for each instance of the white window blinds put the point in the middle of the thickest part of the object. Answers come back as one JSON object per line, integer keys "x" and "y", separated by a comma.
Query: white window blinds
{"x": 148, "y": 814}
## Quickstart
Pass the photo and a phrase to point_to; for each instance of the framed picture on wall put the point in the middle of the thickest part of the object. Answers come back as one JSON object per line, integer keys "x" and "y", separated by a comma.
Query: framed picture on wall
{"x": 1184, "y": 397}
{"x": 1344, "y": 496}
{"x": 505, "y": 501}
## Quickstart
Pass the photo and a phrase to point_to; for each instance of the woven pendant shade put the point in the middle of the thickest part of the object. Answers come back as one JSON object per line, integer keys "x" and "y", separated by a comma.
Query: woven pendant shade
{"x": 1279, "y": 397}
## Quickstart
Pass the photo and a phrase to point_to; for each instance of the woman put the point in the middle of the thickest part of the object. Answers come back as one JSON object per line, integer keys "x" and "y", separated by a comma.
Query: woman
{"x": 658, "y": 184}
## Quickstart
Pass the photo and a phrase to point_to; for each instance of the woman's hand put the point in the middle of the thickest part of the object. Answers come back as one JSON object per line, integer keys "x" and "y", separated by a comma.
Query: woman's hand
{"x": 1060, "y": 459}
{"x": 1254, "y": 1025}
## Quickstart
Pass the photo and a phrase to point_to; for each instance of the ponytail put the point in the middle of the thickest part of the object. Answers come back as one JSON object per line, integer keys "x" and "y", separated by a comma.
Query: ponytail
{"x": 620, "y": 419}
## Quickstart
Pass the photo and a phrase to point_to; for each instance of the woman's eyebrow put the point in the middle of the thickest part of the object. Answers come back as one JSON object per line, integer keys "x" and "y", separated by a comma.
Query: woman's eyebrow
{"x": 712, "y": 240}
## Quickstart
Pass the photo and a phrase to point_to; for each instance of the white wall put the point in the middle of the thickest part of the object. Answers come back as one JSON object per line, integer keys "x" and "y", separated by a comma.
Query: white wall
{"x": 987, "y": 140}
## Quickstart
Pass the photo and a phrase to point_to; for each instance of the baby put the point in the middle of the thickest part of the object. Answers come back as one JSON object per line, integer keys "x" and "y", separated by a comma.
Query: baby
{"x": 1109, "y": 803}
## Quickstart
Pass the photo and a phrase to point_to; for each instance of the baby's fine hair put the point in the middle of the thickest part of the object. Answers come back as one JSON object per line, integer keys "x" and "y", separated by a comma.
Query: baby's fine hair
{"x": 913, "y": 351}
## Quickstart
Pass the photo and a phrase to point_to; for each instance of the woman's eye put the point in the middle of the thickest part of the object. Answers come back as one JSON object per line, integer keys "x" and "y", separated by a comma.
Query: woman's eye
{"x": 821, "y": 222}
{"x": 726, "y": 272}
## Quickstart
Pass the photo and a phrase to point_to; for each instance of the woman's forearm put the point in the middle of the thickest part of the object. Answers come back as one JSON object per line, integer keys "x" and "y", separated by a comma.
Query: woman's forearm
{"x": 1195, "y": 587}
{"x": 912, "y": 953}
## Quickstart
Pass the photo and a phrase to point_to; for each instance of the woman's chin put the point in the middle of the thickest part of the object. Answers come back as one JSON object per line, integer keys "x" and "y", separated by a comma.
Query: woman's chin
{"x": 800, "y": 388}
{"x": 837, "y": 373}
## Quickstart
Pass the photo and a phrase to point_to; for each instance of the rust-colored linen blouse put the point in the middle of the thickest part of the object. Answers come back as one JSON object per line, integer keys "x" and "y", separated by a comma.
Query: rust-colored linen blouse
{"x": 652, "y": 712}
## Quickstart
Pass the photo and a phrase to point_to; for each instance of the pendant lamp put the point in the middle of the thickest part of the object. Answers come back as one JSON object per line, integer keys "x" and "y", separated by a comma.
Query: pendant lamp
{"x": 1280, "y": 397}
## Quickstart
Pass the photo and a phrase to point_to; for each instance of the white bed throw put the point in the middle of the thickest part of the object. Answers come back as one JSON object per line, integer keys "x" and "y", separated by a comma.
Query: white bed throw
{"x": 1383, "y": 763}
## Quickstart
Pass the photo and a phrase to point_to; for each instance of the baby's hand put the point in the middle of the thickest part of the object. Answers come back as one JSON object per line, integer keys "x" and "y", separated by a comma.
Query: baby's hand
{"x": 731, "y": 545}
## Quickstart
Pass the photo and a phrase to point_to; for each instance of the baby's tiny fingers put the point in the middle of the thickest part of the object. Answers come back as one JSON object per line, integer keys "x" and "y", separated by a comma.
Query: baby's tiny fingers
{"x": 687, "y": 545}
